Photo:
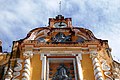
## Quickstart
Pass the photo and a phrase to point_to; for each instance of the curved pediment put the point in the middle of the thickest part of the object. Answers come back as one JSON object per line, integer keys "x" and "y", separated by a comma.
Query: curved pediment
{"x": 60, "y": 30}
{"x": 60, "y": 35}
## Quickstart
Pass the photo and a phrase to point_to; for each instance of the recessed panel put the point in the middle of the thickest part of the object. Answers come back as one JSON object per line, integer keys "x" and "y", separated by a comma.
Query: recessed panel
{"x": 61, "y": 69}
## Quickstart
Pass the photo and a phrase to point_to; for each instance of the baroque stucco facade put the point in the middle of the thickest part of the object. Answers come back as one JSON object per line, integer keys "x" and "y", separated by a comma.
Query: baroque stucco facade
{"x": 41, "y": 53}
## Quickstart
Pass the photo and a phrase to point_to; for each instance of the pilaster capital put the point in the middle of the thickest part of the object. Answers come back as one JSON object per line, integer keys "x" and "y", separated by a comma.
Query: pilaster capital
{"x": 42, "y": 56}
{"x": 80, "y": 56}
{"x": 28, "y": 54}
{"x": 93, "y": 54}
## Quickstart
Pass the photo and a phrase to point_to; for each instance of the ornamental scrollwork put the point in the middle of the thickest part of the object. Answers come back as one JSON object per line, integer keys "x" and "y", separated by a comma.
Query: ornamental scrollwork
{"x": 17, "y": 69}
{"x": 106, "y": 68}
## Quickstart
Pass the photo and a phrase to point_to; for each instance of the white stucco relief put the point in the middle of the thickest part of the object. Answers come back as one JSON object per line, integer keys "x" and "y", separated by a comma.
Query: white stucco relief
{"x": 26, "y": 70}
{"x": 97, "y": 69}
{"x": 17, "y": 69}
{"x": 43, "y": 58}
{"x": 9, "y": 74}
{"x": 106, "y": 68}
{"x": 80, "y": 74}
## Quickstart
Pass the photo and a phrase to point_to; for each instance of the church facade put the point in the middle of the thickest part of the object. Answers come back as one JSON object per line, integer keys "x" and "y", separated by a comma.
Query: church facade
{"x": 59, "y": 51}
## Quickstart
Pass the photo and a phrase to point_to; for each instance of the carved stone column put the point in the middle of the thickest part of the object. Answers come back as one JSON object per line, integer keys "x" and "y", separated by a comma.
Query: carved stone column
{"x": 97, "y": 69}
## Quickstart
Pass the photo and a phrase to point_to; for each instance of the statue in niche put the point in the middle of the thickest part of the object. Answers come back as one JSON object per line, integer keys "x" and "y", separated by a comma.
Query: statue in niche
{"x": 60, "y": 37}
{"x": 62, "y": 73}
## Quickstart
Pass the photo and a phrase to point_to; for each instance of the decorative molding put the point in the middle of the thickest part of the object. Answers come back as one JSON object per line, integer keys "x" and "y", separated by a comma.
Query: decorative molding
{"x": 106, "y": 68}
{"x": 61, "y": 53}
{"x": 100, "y": 78}
{"x": 5, "y": 69}
{"x": 17, "y": 69}
{"x": 24, "y": 74}
{"x": 26, "y": 70}
{"x": 43, "y": 75}
{"x": 98, "y": 75}
{"x": 60, "y": 60}
{"x": 24, "y": 78}
{"x": 78, "y": 58}
{"x": 32, "y": 36}
{"x": 15, "y": 74}
{"x": 95, "y": 60}
{"x": 97, "y": 69}
{"x": 44, "y": 32}
{"x": 28, "y": 54}
{"x": 93, "y": 54}
{"x": 41, "y": 56}
{"x": 18, "y": 65}
{"x": 9, "y": 74}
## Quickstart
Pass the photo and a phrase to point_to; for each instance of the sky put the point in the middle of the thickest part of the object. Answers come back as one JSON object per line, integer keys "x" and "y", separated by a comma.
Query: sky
{"x": 102, "y": 17}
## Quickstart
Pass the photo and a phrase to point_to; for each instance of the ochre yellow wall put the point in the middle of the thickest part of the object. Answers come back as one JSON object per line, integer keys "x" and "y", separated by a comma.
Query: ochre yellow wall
{"x": 36, "y": 67}
{"x": 87, "y": 67}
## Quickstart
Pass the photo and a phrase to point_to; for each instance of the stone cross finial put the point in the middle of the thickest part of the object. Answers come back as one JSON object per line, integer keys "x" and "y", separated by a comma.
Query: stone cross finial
{"x": 60, "y": 8}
